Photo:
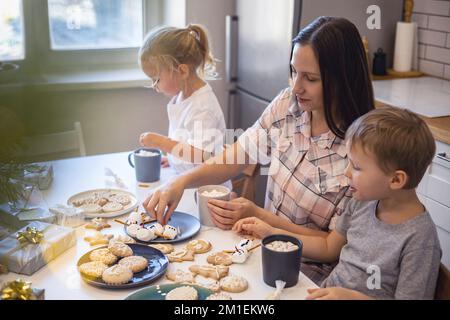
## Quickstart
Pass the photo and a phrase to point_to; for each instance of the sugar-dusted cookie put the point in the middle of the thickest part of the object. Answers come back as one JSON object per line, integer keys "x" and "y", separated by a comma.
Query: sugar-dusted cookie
{"x": 182, "y": 293}
{"x": 98, "y": 224}
{"x": 180, "y": 256}
{"x": 170, "y": 232}
{"x": 91, "y": 208}
{"x": 144, "y": 234}
{"x": 180, "y": 276}
{"x": 120, "y": 249}
{"x": 219, "y": 296}
{"x": 220, "y": 258}
{"x": 199, "y": 246}
{"x": 93, "y": 269}
{"x": 103, "y": 255}
{"x": 122, "y": 238}
{"x": 207, "y": 283}
{"x": 215, "y": 272}
{"x": 112, "y": 207}
{"x": 134, "y": 263}
{"x": 117, "y": 274}
{"x": 233, "y": 283}
{"x": 98, "y": 238}
{"x": 163, "y": 247}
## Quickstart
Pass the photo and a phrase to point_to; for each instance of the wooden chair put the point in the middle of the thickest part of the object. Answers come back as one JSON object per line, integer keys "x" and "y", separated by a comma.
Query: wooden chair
{"x": 55, "y": 145}
{"x": 245, "y": 185}
{"x": 443, "y": 284}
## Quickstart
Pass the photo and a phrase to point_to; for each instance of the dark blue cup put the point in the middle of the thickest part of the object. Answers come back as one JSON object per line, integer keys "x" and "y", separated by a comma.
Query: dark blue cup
{"x": 277, "y": 265}
{"x": 147, "y": 167}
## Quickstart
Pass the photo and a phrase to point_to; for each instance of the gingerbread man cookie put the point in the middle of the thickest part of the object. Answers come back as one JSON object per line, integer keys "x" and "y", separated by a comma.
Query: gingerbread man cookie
{"x": 180, "y": 276}
{"x": 180, "y": 256}
{"x": 199, "y": 246}
{"x": 220, "y": 258}
{"x": 215, "y": 272}
{"x": 98, "y": 238}
{"x": 98, "y": 224}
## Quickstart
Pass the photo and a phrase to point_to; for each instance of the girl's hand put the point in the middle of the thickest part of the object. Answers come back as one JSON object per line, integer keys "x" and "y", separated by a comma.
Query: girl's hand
{"x": 151, "y": 140}
{"x": 254, "y": 227}
{"x": 226, "y": 213}
{"x": 335, "y": 293}
{"x": 165, "y": 162}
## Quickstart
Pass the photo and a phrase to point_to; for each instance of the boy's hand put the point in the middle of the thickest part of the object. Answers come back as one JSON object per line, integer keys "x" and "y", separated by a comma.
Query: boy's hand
{"x": 165, "y": 162}
{"x": 254, "y": 227}
{"x": 226, "y": 213}
{"x": 335, "y": 293}
{"x": 151, "y": 140}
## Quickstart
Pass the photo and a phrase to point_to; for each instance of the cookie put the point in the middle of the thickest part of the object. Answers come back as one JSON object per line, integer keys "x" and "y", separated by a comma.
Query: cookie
{"x": 112, "y": 207}
{"x": 134, "y": 218}
{"x": 158, "y": 229}
{"x": 180, "y": 256}
{"x": 214, "y": 272}
{"x": 163, "y": 247}
{"x": 98, "y": 224}
{"x": 134, "y": 263}
{"x": 219, "y": 296}
{"x": 103, "y": 255}
{"x": 93, "y": 269}
{"x": 117, "y": 274}
{"x": 98, "y": 238}
{"x": 207, "y": 283}
{"x": 180, "y": 276}
{"x": 120, "y": 249}
{"x": 144, "y": 234}
{"x": 122, "y": 238}
{"x": 170, "y": 232}
{"x": 91, "y": 208}
{"x": 234, "y": 284}
{"x": 133, "y": 229}
{"x": 220, "y": 258}
{"x": 123, "y": 199}
{"x": 199, "y": 246}
{"x": 182, "y": 293}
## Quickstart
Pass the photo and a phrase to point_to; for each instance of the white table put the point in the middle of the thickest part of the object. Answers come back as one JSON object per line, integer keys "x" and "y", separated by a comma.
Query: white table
{"x": 60, "y": 277}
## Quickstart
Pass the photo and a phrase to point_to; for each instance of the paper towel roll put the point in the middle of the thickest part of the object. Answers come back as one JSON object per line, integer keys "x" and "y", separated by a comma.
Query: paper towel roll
{"x": 404, "y": 46}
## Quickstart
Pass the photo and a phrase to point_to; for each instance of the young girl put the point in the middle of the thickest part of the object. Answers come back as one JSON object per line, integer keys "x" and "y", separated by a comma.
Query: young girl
{"x": 176, "y": 60}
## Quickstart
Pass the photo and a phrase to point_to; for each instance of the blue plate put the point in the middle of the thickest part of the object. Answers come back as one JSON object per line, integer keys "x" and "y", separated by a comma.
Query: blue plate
{"x": 159, "y": 292}
{"x": 157, "y": 266}
{"x": 188, "y": 224}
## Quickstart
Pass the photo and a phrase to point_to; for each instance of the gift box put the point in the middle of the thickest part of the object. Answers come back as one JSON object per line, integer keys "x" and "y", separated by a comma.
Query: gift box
{"x": 40, "y": 175}
{"x": 68, "y": 216}
{"x": 16, "y": 218}
{"x": 21, "y": 290}
{"x": 25, "y": 257}
{"x": 9, "y": 218}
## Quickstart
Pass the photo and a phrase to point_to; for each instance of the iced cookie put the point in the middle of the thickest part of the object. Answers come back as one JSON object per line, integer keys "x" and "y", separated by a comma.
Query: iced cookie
{"x": 180, "y": 276}
{"x": 180, "y": 256}
{"x": 234, "y": 284}
{"x": 103, "y": 255}
{"x": 120, "y": 249}
{"x": 215, "y": 272}
{"x": 219, "y": 296}
{"x": 182, "y": 293}
{"x": 163, "y": 247}
{"x": 112, "y": 207}
{"x": 170, "y": 232}
{"x": 98, "y": 224}
{"x": 120, "y": 198}
{"x": 157, "y": 228}
{"x": 117, "y": 274}
{"x": 199, "y": 246}
{"x": 132, "y": 229}
{"x": 220, "y": 258}
{"x": 98, "y": 238}
{"x": 134, "y": 263}
{"x": 144, "y": 234}
{"x": 93, "y": 269}
{"x": 91, "y": 208}
{"x": 207, "y": 283}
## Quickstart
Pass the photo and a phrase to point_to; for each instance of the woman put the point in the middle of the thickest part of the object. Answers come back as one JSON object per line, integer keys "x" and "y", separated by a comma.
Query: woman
{"x": 301, "y": 134}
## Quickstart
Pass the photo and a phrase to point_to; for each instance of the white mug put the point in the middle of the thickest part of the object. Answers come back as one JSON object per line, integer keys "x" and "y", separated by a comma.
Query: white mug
{"x": 202, "y": 201}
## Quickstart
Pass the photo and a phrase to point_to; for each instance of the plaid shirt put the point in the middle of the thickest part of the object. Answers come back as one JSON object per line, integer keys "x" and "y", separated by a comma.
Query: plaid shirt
{"x": 306, "y": 182}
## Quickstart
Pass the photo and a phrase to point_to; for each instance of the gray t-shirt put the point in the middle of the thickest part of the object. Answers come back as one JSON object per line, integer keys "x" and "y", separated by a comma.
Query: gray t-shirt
{"x": 386, "y": 261}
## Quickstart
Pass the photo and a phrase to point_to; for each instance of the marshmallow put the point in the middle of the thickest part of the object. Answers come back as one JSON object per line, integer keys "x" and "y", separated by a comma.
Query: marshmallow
{"x": 132, "y": 229}
{"x": 144, "y": 234}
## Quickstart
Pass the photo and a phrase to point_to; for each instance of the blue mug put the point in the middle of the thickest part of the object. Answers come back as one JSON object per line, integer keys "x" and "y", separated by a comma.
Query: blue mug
{"x": 147, "y": 167}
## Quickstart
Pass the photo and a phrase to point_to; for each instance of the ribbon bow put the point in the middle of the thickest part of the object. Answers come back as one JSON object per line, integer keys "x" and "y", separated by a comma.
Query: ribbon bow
{"x": 30, "y": 235}
{"x": 18, "y": 290}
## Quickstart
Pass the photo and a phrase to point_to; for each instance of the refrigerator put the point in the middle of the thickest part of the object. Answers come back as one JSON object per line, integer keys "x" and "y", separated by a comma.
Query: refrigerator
{"x": 259, "y": 43}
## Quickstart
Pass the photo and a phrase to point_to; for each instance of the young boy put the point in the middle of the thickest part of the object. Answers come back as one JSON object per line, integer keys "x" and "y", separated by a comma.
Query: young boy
{"x": 385, "y": 240}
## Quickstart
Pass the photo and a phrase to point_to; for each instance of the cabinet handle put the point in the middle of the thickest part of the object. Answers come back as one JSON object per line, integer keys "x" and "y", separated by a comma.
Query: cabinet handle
{"x": 443, "y": 156}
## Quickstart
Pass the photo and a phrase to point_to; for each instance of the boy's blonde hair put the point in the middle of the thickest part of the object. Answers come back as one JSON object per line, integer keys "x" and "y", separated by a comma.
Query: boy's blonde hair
{"x": 399, "y": 139}
{"x": 169, "y": 47}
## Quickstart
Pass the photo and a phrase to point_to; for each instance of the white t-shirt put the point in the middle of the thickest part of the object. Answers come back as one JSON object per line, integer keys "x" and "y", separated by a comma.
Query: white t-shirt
{"x": 197, "y": 121}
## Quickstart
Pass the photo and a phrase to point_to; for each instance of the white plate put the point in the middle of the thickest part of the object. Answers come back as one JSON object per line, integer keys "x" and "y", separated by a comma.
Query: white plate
{"x": 128, "y": 208}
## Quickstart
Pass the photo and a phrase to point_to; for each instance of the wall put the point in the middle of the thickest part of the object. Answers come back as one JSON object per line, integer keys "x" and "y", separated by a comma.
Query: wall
{"x": 433, "y": 19}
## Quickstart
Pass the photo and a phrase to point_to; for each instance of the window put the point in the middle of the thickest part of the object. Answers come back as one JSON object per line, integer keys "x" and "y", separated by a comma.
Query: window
{"x": 95, "y": 24}
{"x": 11, "y": 30}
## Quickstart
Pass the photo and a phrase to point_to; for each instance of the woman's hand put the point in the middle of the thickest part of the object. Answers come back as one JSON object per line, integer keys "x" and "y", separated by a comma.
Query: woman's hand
{"x": 167, "y": 196}
{"x": 151, "y": 140}
{"x": 254, "y": 227}
{"x": 335, "y": 293}
{"x": 226, "y": 213}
